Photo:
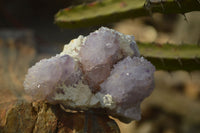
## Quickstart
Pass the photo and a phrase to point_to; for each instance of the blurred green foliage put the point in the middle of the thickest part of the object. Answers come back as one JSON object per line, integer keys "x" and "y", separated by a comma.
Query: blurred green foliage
{"x": 168, "y": 57}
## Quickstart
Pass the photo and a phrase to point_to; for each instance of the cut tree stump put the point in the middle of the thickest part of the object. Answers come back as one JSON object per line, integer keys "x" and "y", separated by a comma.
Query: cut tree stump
{"x": 18, "y": 114}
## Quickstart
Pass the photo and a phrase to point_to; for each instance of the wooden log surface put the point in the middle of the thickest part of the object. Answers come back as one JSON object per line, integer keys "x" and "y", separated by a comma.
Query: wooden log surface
{"x": 18, "y": 114}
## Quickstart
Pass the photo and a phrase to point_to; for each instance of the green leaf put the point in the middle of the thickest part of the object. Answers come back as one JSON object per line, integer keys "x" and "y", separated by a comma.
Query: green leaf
{"x": 107, "y": 11}
{"x": 172, "y": 57}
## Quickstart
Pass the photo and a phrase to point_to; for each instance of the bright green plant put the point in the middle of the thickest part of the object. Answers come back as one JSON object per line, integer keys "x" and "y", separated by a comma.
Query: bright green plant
{"x": 168, "y": 57}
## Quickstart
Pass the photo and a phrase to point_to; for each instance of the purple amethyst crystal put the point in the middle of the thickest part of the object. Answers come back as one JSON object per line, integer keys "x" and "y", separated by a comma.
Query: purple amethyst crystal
{"x": 130, "y": 81}
{"x": 100, "y": 71}
{"x": 43, "y": 79}
{"x": 97, "y": 55}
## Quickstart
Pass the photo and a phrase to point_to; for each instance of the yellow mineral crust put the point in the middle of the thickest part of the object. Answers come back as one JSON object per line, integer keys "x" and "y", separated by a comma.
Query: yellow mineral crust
{"x": 72, "y": 49}
{"x": 78, "y": 95}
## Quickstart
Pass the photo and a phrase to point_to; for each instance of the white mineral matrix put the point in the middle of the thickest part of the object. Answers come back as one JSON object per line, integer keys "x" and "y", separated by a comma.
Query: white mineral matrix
{"x": 103, "y": 70}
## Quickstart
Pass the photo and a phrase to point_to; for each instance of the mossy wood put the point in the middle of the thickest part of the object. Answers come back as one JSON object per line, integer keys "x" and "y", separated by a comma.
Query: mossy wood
{"x": 107, "y": 11}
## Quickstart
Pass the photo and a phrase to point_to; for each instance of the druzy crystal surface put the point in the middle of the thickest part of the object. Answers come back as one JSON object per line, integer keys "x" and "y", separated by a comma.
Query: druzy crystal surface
{"x": 129, "y": 83}
{"x": 97, "y": 55}
{"x": 103, "y": 71}
{"x": 44, "y": 79}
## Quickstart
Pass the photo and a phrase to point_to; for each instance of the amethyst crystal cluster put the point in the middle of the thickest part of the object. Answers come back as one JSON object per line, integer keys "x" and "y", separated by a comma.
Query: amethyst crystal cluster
{"x": 100, "y": 71}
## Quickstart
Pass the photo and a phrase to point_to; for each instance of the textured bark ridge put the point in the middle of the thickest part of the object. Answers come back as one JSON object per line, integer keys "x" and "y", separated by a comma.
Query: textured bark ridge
{"x": 25, "y": 117}
{"x": 17, "y": 113}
